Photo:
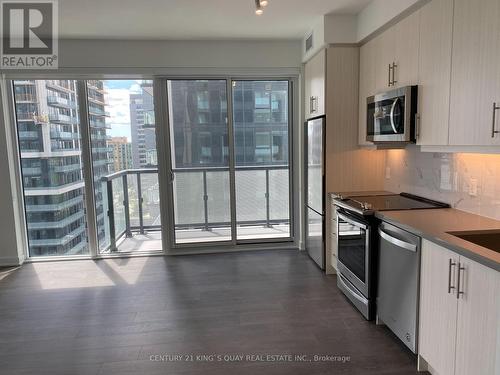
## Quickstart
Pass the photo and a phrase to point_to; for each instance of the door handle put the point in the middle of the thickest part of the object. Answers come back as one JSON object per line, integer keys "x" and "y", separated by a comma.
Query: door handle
{"x": 389, "y": 78}
{"x": 460, "y": 269}
{"x": 393, "y": 107}
{"x": 172, "y": 177}
{"x": 417, "y": 126}
{"x": 394, "y": 66}
{"x": 397, "y": 242}
{"x": 350, "y": 221}
{"x": 493, "y": 123}
{"x": 451, "y": 264}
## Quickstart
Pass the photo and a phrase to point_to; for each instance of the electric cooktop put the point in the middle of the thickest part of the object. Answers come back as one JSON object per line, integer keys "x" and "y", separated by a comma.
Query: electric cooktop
{"x": 368, "y": 204}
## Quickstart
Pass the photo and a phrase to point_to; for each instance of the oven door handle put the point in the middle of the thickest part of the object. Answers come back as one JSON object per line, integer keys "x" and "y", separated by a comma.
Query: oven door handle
{"x": 397, "y": 242}
{"x": 351, "y": 221}
{"x": 393, "y": 107}
{"x": 355, "y": 293}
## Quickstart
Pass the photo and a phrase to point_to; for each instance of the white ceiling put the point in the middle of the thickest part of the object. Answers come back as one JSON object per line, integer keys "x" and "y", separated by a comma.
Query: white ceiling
{"x": 195, "y": 19}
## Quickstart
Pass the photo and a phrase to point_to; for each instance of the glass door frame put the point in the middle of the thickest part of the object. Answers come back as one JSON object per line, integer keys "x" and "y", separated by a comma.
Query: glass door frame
{"x": 164, "y": 165}
{"x": 166, "y": 173}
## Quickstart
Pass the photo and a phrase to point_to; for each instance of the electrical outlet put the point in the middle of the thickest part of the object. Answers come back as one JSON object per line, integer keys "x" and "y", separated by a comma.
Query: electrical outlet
{"x": 473, "y": 187}
{"x": 387, "y": 173}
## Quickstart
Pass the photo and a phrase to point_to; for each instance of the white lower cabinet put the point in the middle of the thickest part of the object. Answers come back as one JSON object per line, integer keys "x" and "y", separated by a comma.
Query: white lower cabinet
{"x": 459, "y": 328}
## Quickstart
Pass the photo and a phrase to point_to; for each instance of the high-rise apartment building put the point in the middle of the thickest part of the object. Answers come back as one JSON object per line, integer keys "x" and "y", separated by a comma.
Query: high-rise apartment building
{"x": 50, "y": 146}
{"x": 142, "y": 127}
{"x": 199, "y": 118}
{"x": 122, "y": 153}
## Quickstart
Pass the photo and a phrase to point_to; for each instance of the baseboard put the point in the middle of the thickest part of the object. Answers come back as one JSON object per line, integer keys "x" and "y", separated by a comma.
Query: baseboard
{"x": 10, "y": 261}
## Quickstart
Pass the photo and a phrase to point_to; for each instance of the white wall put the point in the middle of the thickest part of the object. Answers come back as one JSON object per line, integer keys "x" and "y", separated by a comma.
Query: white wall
{"x": 178, "y": 57}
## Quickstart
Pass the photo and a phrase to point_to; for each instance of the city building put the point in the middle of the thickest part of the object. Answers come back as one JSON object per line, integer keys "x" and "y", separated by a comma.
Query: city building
{"x": 50, "y": 147}
{"x": 260, "y": 122}
{"x": 122, "y": 153}
{"x": 142, "y": 126}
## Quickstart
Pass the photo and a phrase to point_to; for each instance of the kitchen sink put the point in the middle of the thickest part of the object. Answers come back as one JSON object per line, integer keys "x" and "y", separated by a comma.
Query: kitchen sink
{"x": 489, "y": 239}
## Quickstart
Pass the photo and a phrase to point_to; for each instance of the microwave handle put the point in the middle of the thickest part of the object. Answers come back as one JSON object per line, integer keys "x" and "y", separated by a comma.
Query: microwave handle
{"x": 393, "y": 125}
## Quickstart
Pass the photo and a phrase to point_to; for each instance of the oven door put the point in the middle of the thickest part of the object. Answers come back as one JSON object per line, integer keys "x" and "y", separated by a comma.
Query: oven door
{"x": 353, "y": 246}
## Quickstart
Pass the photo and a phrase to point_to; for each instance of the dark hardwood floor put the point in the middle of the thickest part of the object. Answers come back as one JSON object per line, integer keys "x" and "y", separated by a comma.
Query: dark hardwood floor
{"x": 125, "y": 316}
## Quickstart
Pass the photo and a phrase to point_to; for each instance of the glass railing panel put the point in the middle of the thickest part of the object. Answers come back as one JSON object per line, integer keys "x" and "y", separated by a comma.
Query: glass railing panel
{"x": 150, "y": 190}
{"x": 250, "y": 196}
{"x": 218, "y": 199}
{"x": 118, "y": 207}
{"x": 188, "y": 199}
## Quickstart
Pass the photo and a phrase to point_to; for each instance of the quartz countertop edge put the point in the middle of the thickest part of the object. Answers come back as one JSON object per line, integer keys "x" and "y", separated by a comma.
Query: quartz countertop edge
{"x": 433, "y": 225}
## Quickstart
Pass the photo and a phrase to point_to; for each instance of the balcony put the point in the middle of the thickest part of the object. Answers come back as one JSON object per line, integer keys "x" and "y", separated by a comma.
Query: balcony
{"x": 60, "y": 85}
{"x": 132, "y": 203}
{"x": 65, "y": 136}
{"x": 25, "y": 98}
{"x": 58, "y": 101}
{"x": 61, "y": 119}
{"x": 28, "y": 135}
{"x": 98, "y": 122}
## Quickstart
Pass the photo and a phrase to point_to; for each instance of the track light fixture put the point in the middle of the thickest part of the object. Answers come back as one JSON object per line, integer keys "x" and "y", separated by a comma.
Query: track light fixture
{"x": 259, "y": 5}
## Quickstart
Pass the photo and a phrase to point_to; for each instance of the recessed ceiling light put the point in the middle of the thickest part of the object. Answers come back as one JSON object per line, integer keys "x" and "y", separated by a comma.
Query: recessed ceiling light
{"x": 259, "y": 11}
{"x": 264, "y": 3}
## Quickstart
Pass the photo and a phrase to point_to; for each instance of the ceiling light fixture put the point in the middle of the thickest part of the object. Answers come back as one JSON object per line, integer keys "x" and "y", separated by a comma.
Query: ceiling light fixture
{"x": 264, "y": 3}
{"x": 259, "y": 5}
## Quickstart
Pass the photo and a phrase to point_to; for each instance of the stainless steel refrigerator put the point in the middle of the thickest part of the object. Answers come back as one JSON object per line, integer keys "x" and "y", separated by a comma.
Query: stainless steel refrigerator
{"x": 315, "y": 189}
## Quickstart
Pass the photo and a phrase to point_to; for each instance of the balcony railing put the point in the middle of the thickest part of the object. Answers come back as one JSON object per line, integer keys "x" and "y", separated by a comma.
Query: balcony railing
{"x": 30, "y": 98}
{"x": 60, "y": 102}
{"x": 62, "y": 119}
{"x": 263, "y": 199}
{"x": 57, "y": 134}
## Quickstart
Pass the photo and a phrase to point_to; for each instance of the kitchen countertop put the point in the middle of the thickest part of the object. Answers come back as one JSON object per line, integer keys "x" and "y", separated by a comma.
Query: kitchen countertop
{"x": 432, "y": 224}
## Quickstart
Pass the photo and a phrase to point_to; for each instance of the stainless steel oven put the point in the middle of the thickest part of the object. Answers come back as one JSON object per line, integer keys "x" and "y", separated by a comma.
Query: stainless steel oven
{"x": 391, "y": 116}
{"x": 354, "y": 246}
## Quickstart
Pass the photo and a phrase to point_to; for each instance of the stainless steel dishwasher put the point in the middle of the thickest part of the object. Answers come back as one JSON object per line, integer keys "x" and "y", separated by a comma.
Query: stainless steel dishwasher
{"x": 398, "y": 283}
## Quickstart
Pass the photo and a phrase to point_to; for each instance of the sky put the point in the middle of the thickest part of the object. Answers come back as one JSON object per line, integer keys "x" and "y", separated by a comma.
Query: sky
{"x": 117, "y": 98}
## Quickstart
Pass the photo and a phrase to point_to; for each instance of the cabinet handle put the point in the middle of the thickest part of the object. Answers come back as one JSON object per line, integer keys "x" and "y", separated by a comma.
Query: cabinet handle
{"x": 389, "y": 78}
{"x": 394, "y": 66}
{"x": 451, "y": 264}
{"x": 459, "y": 292}
{"x": 493, "y": 123}
{"x": 417, "y": 126}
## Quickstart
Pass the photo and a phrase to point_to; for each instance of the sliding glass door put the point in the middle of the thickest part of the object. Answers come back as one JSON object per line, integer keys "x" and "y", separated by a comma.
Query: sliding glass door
{"x": 200, "y": 160}
{"x": 261, "y": 146}
{"x": 230, "y": 164}
{"x": 124, "y": 165}
{"x": 89, "y": 164}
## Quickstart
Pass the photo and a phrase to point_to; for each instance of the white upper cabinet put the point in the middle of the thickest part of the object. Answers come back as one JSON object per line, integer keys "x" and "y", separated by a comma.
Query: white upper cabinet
{"x": 475, "y": 78}
{"x": 383, "y": 59}
{"x": 436, "y": 27}
{"x": 406, "y": 46}
{"x": 396, "y": 54}
{"x": 314, "y": 78}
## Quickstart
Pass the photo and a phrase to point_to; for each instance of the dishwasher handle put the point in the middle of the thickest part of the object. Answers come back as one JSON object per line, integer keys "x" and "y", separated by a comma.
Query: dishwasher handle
{"x": 397, "y": 242}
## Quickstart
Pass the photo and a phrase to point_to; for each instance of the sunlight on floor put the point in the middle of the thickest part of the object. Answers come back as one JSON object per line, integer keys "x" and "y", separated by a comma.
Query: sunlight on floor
{"x": 89, "y": 274}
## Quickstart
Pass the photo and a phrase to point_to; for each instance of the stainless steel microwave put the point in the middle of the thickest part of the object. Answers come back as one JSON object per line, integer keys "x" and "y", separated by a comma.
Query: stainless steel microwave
{"x": 391, "y": 116}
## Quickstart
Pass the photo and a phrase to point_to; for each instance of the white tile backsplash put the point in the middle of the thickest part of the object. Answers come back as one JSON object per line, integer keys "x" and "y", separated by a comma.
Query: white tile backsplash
{"x": 447, "y": 177}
